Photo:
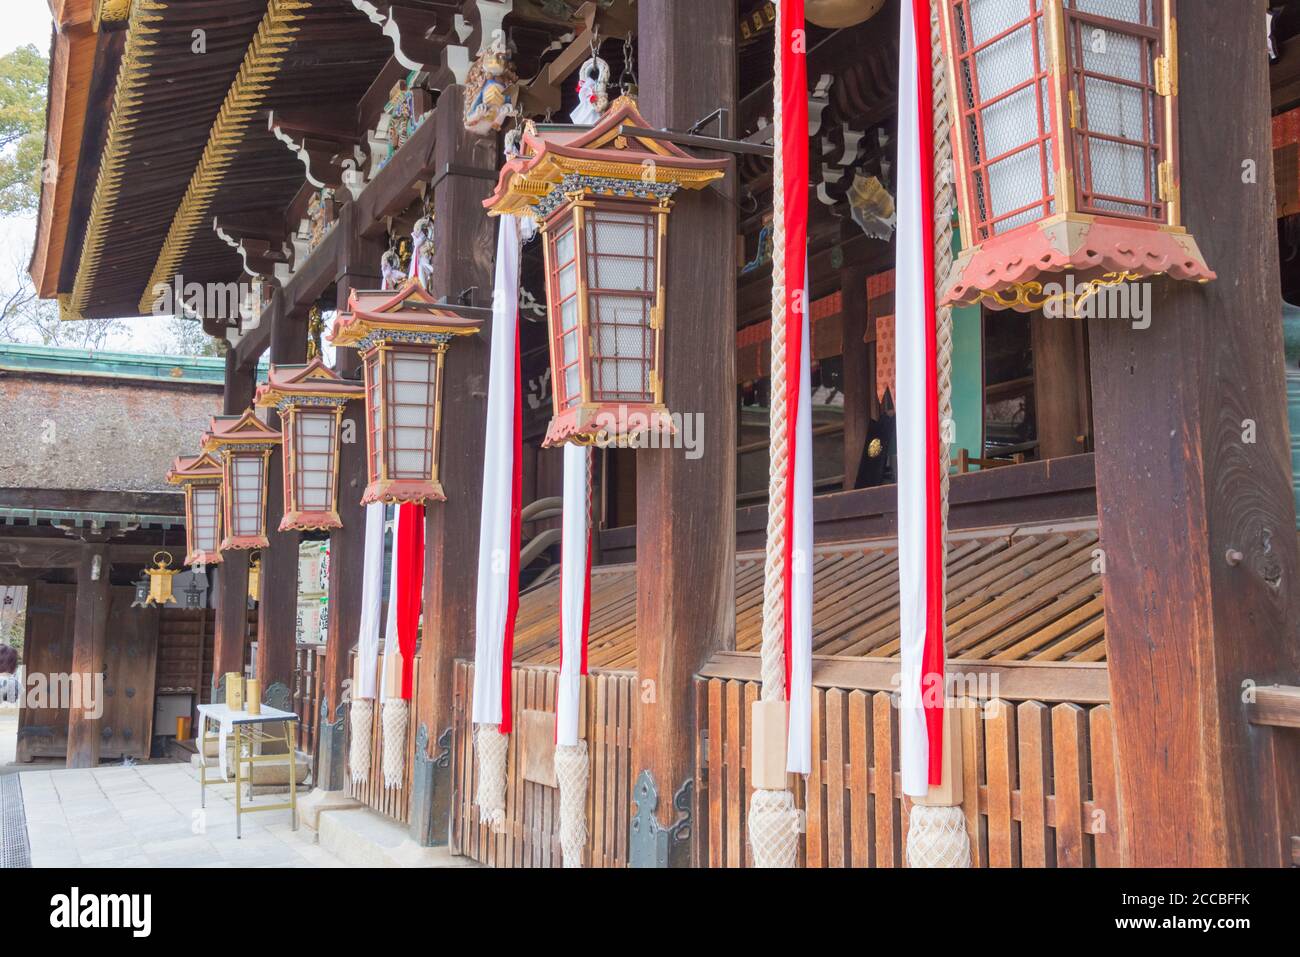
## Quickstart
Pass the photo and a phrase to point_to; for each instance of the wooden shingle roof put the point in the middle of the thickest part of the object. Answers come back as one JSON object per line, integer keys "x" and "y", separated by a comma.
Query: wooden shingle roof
{"x": 1012, "y": 596}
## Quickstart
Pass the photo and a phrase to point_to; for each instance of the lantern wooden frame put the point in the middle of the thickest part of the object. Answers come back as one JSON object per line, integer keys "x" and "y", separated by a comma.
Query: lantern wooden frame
{"x": 240, "y": 439}
{"x": 408, "y": 328}
{"x": 200, "y": 475}
{"x": 566, "y": 179}
{"x": 302, "y": 393}
{"x": 1072, "y": 225}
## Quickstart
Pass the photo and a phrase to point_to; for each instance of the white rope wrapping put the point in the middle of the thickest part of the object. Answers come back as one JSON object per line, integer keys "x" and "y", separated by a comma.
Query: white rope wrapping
{"x": 936, "y": 837}
{"x": 492, "y": 749}
{"x": 571, "y": 772}
{"x": 362, "y": 716}
{"x": 773, "y": 821}
{"x": 396, "y": 716}
{"x": 774, "y": 828}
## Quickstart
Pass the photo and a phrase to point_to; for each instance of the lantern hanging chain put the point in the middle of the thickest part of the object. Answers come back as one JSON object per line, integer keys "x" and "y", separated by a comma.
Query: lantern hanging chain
{"x": 628, "y": 80}
{"x": 773, "y": 646}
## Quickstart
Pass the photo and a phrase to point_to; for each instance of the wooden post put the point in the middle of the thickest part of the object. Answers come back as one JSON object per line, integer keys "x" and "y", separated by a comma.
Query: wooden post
{"x": 90, "y": 623}
{"x": 1197, "y": 518}
{"x": 231, "y": 594}
{"x": 686, "y": 508}
{"x": 464, "y": 252}
{"x": 1061, "y": 410}
{"x": 277, "y": 609}
{"x": 859, "y": 386}
{"x": 347, "y": 544}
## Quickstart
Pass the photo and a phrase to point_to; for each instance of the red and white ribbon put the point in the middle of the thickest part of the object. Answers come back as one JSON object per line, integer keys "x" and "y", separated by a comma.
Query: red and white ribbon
{"x": 498, "y": 556}
{"x": 797, "y": 395}
{"x": 920, "y": 517}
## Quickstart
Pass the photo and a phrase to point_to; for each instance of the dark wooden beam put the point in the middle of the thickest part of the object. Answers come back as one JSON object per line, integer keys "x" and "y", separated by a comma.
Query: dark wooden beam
{"x": 465, "y": 247}
{"x": 1060, "y": 406}
{"x": 686, "y": 541}
{"x": 858, "y": 383}
{"x": 89, "y": 627}
{"x": 1197, "y": 514}
{"x": 91, "y": 500}
{"x": 230, "y": 635}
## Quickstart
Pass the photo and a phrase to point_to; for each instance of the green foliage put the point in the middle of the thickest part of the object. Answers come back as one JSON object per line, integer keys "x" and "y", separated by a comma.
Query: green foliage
{"x": 23, "y": 76}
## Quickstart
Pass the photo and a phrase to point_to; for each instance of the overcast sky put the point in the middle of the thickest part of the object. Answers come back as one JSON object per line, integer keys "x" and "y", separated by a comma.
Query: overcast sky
{"x": 28, "y": 21}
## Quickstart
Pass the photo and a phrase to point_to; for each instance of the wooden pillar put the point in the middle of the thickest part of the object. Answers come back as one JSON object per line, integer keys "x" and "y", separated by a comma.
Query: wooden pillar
{"x": 1061, "y": 408}
{"x": 464, "y": 252}
{"x": 686, "y": 508}
{"x": 1197, "y": 519}
{"x": 277, "y": 609}
{"x": 347, "y": 544}
{"x": 90, "y": 622}
{"x": 231, "y": 592}
{"x": 859, "y": 384}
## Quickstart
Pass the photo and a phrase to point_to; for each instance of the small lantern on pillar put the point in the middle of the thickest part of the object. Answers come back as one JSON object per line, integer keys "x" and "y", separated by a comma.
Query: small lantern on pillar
{"x": 160, "y": 580}
{"x": 201, "y": 477}
{"x": 310, "y": 399}
{"x": 255, "y": 577}
{"x": 1065, "y": 142}
{"x": 245, "y": 444}
{"x": 602, "y": 199}
{"x": 403, "y": 337}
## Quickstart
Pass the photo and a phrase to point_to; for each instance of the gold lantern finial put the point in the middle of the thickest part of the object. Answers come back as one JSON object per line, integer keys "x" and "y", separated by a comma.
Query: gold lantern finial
{"x": 160, "y": 580}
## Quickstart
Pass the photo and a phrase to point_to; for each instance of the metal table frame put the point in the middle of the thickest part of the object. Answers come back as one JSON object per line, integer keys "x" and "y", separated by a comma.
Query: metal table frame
{"x": 248, "y": 731}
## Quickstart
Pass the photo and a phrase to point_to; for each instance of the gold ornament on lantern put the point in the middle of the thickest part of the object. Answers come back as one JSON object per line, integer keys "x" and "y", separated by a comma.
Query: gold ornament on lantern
{"x": 255, "y": 576}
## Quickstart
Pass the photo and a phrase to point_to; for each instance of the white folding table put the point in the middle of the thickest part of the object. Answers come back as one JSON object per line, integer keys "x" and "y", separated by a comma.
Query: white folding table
{"x": 250, "y": 734}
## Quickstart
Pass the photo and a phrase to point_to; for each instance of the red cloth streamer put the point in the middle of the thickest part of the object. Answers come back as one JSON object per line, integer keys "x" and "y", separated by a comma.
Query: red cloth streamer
{"x": 410, "y": 587}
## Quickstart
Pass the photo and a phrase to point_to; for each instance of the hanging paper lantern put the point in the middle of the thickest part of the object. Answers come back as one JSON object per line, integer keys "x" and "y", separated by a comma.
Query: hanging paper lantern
{"x": 602, "y": 200}
{"x": 310, "y": 399}
{"x": 1065, "y": 141}
{"x": 403, "y": 337}
{"x": 201, "y": 477}
{"x": 245, "y": 444}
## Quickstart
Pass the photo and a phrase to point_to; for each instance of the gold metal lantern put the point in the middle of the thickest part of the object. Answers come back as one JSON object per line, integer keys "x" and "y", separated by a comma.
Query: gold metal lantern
{"x": 603, "y": 200}
{"x": 160, "y": 580}
{"x": 245, "y": 444}
{"x": 310, "y": 399}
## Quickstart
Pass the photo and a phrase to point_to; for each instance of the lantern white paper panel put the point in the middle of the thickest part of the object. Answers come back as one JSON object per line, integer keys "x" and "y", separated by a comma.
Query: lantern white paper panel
{"x": 412, "y": 380}
{"x": 314, "y": 469}
{"x": 246, "y": 494}
{"x": 621, "y": 249}
{"x": 204, "y": 504}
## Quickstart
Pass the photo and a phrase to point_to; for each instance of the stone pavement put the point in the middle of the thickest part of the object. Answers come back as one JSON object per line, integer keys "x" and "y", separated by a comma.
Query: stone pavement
{"x": 148, "y": 815}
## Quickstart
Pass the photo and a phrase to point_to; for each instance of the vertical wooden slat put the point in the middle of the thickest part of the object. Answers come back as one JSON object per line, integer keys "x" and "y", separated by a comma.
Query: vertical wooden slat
{"x": 734, "y": 743}
{"x": 859, "y": 780}
{"x": 1000, "y": 758}
{"x": 598, "y": 744}
{"x": 1105, "y": 823}
{"x": 833, "y": 736}
{"x": 972, "y": 769}
{"x": 717, "y": 774}
{"x": 751, "y": 689}
{"x": 1034, "y": 733}
{"x": 814, "y": 797}
{"x": 887, "y": 840}
{"x": 1070, "y": 763}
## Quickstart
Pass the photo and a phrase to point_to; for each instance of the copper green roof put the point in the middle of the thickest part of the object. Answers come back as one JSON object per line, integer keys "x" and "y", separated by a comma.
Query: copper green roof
{"x": 57, "y": 360}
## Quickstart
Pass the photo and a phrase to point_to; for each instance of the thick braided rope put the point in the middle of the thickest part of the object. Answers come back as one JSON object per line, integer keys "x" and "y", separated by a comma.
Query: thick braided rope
{"x": 936, "y": 837}
{"x": 571, "y": 772}
{"x": 773, "y": 647}
{"x": 362, "y": 717}
{"x": 492, "y": 749}
{"x": 395, "y": 717}
{"x": 773, "y": 820}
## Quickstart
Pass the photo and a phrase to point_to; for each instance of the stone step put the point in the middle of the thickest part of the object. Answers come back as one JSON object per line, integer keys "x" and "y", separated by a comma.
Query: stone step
{"x": 363, "y": 838}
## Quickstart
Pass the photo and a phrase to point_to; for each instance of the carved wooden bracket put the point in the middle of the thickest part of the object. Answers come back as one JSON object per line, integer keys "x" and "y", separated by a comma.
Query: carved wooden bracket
{"x": 330, "y": 152}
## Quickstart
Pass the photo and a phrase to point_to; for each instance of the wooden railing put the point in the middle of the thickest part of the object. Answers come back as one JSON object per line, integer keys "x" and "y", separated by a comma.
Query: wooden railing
{"x": 391, "y": 802}
{"x": 1039, "y": 769}
{"x": 309, "y": 665}
{"x": 532, "y": 833}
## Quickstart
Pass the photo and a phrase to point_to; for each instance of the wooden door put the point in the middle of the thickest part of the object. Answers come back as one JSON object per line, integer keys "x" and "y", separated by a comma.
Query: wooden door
{"x": 129, "y": 659}
{"x": 47, "y": 651}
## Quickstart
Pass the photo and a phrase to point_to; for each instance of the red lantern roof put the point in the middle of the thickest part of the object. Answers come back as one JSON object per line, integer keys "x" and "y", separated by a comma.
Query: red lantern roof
{"x": 194, "y": 468}
{"x": 246, "y": 429}
{"x": 307, "y": 381}
{"x": 410, "y": 312}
